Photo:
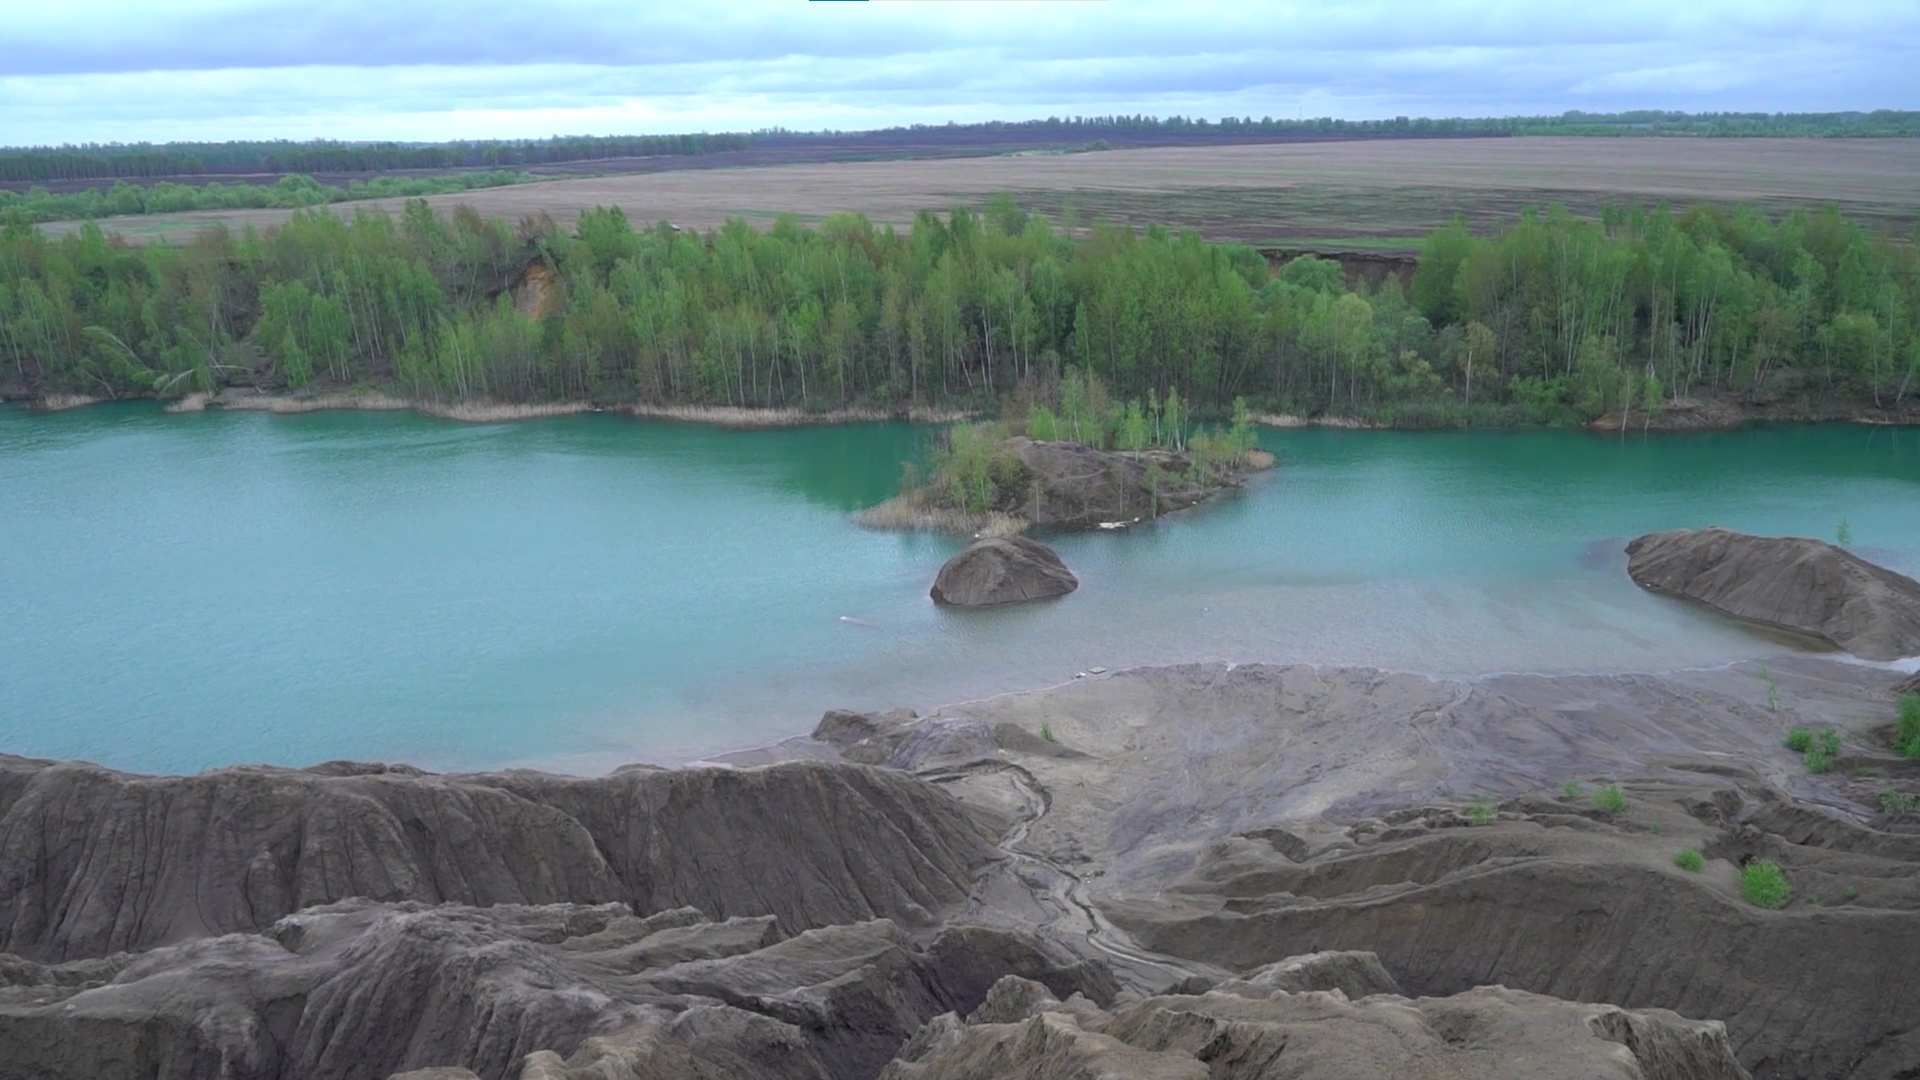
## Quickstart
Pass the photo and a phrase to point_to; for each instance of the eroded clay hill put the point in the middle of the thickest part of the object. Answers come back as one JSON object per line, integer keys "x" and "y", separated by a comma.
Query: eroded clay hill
{"x": 1791, "y": 583}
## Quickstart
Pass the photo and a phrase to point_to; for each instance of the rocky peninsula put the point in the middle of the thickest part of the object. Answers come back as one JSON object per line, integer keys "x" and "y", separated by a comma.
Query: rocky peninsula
{"x": 1229, "y": 871}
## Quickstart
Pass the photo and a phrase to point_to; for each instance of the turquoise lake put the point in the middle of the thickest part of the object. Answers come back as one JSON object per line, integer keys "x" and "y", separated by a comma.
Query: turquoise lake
{"x": 180, "y": 592}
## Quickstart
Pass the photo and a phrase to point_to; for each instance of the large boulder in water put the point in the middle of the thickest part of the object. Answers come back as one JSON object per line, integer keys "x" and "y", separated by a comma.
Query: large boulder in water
{"x": 1002, "y": 570}
{"x": 1807, "y": 586}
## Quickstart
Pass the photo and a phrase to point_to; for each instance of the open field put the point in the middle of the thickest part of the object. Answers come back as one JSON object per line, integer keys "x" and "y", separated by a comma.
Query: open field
{"x": 1368, "y": 193}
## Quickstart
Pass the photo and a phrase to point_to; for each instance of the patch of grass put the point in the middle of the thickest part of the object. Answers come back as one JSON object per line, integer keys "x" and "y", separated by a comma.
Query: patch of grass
{"x": 1658, "y": 829}
{"x": 1899, "y": 803}
{"x": 1572, "y": 789}
{"x": 1851, "y": 894}
{"x": 1906, "y": 734}
{"x": 1046, "y": 732}
{"x": 1690, "y": 860}
{"x": 1799, "y": 740}
{"x": 1828, "y": 742}
{"x": 1610, "y": 798}
{"x": 1773, "y": 688}
{"x": 1482, "y": 811}
{"x": 1764, "y": 884}
{"x": 1818, "y": 761}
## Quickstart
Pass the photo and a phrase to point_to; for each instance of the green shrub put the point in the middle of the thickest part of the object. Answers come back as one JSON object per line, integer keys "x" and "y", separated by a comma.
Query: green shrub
{"x": 1906, "y": 737}
{"x": 1818, "y": 761}
{"x": 1572, "y": 789}
{"x": 1481, "y": 812}
{"x": 1852, "y": 894}
{"x": 1799, "y": 740}
{"x": 1828, "y": 742}
{"x": 1690, "y": 860}
{"x": 1046, "y": 732}
{"x": 1764, "y": 884}
{"x": 1610, "y": 798}
{"x": 1899, "y": 803}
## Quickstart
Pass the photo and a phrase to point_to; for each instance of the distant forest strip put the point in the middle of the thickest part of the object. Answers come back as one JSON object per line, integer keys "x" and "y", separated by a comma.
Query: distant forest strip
{"x": 149, "y": 161}
{"x": 291, "y": 192}
{"x": 1556, "y": 320}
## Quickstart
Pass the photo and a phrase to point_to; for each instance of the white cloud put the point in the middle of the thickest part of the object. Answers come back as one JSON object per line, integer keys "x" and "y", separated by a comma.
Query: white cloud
{"x": 100, "y": 70}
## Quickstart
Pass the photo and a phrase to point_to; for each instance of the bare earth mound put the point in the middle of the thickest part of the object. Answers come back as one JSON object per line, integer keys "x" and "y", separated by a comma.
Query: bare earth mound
{"x": 1115, "y": 878}
{"x": 1005, "y": 570}
{"x": 1792, "y": 583}
{"x": 1230, "y": 816}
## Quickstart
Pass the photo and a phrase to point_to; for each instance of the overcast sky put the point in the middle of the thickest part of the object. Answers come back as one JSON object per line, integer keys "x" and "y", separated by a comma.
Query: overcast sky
{"x": 83, "y": 70}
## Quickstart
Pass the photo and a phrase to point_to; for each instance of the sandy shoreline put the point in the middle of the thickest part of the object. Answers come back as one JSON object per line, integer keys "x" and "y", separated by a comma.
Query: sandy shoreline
{"x": 494, "y": 412}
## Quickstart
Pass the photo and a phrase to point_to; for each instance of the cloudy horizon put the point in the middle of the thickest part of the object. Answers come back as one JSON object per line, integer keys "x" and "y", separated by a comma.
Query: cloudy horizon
{"x": 111, "y": 71}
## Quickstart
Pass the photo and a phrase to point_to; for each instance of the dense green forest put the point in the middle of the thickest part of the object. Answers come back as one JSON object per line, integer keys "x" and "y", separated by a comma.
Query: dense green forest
{"x": 98, "y": 161}
{"x": 1555, "y": 320}
{"x": 288, "y": 193}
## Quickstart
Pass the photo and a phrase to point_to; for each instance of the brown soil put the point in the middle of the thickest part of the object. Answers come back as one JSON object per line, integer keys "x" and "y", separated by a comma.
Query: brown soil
{"x": 1259, "y": 193}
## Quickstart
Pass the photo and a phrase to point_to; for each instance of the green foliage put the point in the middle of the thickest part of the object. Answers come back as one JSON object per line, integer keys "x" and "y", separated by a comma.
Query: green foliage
{"x": 1572, "y": 789}
{"x": 1482, "y": 811}
{"x": 1046, "y": 732}
{"x": 1764, "y": 884}
{"x": 1554, "y": 320}
{"x": 1851, "y": 894}
{"x": 1610, "y": 798}
{"x": 1894, "y": 803}
{"x": 290, "y": 192}
{"x": 1906, "y": 730}
{"x": 1042, "y": 425}
{"x": 1690, "y": 860}
{"x": 1773, "y": 692}
{"x": 1799, "y": 740}
{"x": 1818, "y": 761}
{"x": 1843, "y": 534}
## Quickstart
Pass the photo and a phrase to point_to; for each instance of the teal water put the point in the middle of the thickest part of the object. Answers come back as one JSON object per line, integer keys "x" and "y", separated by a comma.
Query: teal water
{"x": 178, "y": 592}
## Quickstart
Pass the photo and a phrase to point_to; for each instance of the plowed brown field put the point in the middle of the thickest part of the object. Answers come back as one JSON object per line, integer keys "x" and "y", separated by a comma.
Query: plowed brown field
{"x": 1355, "y": 192}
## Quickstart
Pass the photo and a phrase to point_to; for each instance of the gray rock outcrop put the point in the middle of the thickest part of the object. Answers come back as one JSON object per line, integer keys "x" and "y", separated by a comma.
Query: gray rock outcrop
{"x": 94, "y": 861}
{"x": 1002, "y": 570}
{"x": 362, "y": 989}
{"x": 1791, "y": 583}
{"x": 1251, "y": 1034}
{"x": 1066, "y": 485}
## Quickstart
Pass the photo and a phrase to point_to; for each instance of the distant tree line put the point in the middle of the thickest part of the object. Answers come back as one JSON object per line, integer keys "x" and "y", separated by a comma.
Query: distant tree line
{"x": 107, "y": 161}
{"x": 1555, "y": 320}
{"x": 291, "y": 192}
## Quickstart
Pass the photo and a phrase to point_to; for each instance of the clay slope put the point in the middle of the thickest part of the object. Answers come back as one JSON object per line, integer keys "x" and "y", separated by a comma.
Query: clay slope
{"x": 1233, "y": 816}
{"x": 1247, "y": 1031}
{"x": 94, "y": 861}
{"x": 358, "y": 990}
{"x": 1806, "y": 586}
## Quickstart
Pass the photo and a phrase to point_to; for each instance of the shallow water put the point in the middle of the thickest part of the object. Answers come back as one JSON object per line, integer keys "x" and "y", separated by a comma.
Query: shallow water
{"x": 189, "y": 591}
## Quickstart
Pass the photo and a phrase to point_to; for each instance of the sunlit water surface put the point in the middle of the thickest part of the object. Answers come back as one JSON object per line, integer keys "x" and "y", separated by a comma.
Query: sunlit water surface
{"x": 178, "y": 592}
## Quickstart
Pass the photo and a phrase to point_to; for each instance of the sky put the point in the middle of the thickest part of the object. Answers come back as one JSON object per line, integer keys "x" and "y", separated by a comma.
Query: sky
{"x": 133, "y": 70}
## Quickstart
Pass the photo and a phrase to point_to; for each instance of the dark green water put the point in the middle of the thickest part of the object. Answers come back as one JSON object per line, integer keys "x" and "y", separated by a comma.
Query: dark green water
{"x": 188, "y": 591}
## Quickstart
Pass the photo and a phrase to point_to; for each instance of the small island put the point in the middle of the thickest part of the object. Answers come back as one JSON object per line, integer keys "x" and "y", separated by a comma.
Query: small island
{"x": 1073, "y": 459}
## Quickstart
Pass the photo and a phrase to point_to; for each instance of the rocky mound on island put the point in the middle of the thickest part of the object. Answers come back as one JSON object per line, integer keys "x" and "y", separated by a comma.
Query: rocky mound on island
{"x": 1790, "y": 583}
{"x": 1002, "y": 570}
{"x": 1020, "y": 483}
